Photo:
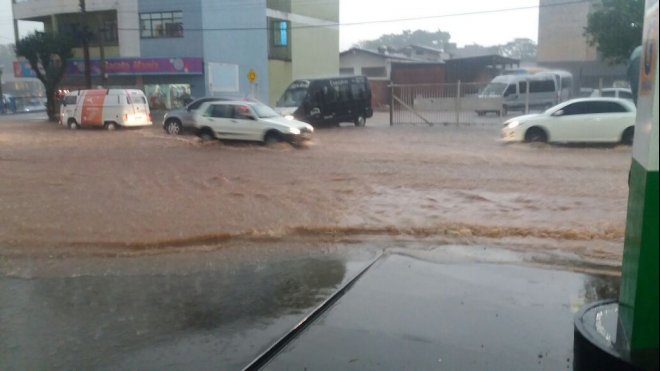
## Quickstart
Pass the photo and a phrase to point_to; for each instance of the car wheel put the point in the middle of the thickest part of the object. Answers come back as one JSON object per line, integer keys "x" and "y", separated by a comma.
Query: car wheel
{"x": 173, "y": 127}
{"x": 73, "y": 125}
{"x": 206, "y": 134}
{"x": 272, "y": 137}
{"x": 628, "y": 136}
{"x": 536, "y": 135}
{"x": 110, "y": 126}
{"x": 360, "y": 121}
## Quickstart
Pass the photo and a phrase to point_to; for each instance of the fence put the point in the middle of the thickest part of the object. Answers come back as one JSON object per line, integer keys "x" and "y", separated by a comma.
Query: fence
{"x": 432, "y": 104}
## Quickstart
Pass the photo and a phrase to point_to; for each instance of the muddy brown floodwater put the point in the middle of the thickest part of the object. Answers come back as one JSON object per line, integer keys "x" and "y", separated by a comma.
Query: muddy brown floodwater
{"x": 76, "y": 191}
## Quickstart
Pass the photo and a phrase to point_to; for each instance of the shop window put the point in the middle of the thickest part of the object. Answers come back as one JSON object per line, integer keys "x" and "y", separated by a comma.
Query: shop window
{"x": 161, "y": 25}
{"x": 167, "y": 96}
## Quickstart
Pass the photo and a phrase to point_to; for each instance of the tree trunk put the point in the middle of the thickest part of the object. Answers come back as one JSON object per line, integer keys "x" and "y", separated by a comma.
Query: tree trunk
{"x": 52, "y": 105}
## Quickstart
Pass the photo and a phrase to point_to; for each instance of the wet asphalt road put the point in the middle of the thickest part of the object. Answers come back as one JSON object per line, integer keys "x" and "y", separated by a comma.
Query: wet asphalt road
{"x": 201, "y": 311}
{"x": 221, "y": 308}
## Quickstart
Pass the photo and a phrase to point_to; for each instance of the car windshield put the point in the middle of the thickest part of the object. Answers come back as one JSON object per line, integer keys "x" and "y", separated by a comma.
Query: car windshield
{"x": 292, "y": 97}
{"x": 263, "y": 111}
{"x": 495, "y": 89}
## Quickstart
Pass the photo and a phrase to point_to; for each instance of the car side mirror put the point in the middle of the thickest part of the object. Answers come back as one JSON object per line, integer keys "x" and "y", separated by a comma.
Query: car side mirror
{"x": 64, "y": 103}
{"x": 558, "y": 113}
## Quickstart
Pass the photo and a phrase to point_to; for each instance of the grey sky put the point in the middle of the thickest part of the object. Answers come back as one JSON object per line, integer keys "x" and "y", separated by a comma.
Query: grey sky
{"x": 485, "y": 29}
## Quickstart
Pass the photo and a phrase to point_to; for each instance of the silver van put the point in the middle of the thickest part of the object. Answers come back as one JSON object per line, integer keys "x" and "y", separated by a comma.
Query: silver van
{"x": 510, "y": 93}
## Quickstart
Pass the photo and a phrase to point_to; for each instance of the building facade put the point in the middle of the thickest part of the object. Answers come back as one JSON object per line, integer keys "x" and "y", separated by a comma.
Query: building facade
{"x": 563, "y": 45}
{"x": 173, "y": 49}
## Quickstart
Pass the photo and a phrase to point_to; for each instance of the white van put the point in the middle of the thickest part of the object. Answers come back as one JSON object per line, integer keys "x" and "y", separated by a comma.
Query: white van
{"x": 107, "y": 108}
{"x": 511, "y": 92}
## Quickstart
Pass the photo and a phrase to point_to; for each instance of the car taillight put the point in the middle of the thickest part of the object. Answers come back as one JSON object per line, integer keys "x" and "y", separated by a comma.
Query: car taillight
{"x": 125, "y": 116}
{"x": 150, "y": 118}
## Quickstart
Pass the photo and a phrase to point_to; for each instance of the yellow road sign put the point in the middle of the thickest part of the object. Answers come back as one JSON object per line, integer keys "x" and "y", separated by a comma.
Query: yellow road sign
{"x": 252, "y": 76}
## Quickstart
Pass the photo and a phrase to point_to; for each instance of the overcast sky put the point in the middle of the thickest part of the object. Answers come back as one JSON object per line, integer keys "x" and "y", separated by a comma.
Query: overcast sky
{"x": 488, "y": 28}
{"x": 491, "y": 27}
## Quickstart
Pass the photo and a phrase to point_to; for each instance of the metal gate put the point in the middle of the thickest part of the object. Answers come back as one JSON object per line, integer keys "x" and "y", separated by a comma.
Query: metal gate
{"x": 443, "y": 104}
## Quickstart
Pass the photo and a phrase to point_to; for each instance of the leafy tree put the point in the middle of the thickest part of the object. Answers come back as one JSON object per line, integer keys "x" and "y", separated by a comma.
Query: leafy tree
{"x": 615, "y": 28}
{"x": 48, "y": 54}
{"x": 437, "y": 39}
{"x": 523, "y": 49}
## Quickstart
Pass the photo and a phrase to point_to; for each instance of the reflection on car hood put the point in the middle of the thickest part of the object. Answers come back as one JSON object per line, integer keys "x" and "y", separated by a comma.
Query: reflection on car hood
{"x": 530, "y": 117}
{"x": 284, "y": 111}
{"x": 282, "y": 122}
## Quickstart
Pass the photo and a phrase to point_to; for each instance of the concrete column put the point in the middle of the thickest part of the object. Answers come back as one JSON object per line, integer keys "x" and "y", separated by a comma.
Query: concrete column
{"x": 638, "y": 300}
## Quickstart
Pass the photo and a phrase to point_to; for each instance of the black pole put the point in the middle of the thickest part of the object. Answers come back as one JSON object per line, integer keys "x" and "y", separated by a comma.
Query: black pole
{"x": 101, "y": 35}
{"x": 84, "y": 34}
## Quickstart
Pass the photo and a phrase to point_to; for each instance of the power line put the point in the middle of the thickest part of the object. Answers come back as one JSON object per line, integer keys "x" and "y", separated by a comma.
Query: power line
{"x": 331, "y": 24}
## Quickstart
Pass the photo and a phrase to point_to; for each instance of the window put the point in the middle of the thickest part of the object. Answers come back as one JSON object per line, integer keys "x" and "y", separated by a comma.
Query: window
{"x": 545, "y": 86}
{"x": 609, "y": 107}
{"x": 374, "y": 71}
{"x": 220, "y": 111}
{"x": 70, "y": 99}
{"x": 346, "y": 71}
{"x": 109, "y": 31}
{"x": 510, "y": 89}
{"x": 358, "y": 91}
{"x": 344, "y": 93}
{"x": 280, "y": 33}
{"x": 195, "y": 105}
{"x": 579, "y": 108}
{"x": 329, "y": 94}
{"x": 608, "y": 93}
{"x": 522, "y": 87}
{"x": 586, "y": 108}
{"x": 161, "y": 25}
{"x": 242, "y": 113}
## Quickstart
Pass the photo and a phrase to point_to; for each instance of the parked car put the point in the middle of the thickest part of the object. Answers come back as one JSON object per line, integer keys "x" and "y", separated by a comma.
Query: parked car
{"x": 623, "y": 93}
{"x": 250, "y": 121}
{"x": 177, "y": 121}
{"x": 328, "y": 101}
{"x": 578, "y": 120}
{"x": 107, "y": 108}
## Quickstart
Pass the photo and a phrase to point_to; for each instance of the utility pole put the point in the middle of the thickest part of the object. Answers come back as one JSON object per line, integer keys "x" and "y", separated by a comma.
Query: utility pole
{"x": 84, "y": 33}
{"x": 101, "y": 32}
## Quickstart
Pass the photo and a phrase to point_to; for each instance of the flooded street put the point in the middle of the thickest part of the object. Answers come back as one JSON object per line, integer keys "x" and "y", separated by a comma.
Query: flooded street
{"x": 137, "y": 250}
{"x": 94, "y": 191}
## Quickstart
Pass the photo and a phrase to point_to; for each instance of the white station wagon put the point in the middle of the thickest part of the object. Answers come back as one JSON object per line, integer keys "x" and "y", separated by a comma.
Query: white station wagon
{"x": 583, "y": 120}
{"x": 250, "y": 121}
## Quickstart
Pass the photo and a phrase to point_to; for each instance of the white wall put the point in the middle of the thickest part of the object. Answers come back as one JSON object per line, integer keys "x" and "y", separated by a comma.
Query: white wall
{"x": 358, "y": 60}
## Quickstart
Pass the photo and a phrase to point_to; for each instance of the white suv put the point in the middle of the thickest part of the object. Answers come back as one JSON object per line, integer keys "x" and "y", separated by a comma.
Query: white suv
{"x": 251, "y": 121}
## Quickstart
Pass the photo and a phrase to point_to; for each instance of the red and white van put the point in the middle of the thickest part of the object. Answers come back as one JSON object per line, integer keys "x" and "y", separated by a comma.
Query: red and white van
{"x": 107, "y": 108}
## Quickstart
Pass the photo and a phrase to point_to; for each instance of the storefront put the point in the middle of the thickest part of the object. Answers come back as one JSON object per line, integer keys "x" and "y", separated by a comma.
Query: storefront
{"x": 168, "y": 83}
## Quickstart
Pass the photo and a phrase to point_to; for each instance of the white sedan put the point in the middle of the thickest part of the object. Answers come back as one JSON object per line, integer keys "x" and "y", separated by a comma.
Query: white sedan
{"x": 596, "y": 120}
{"x": 250, "y": 121}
